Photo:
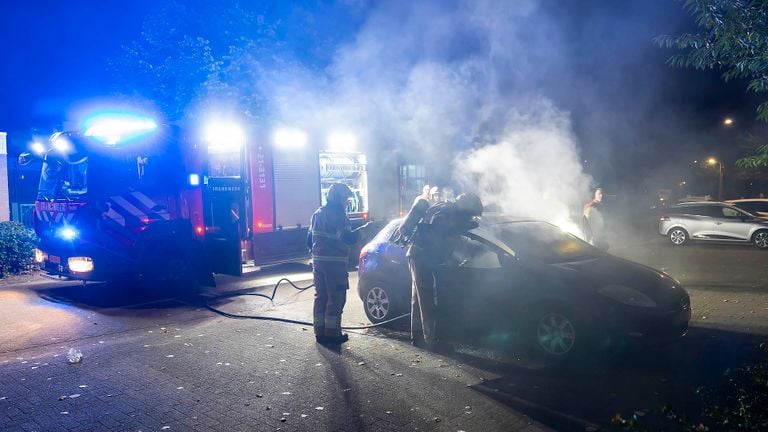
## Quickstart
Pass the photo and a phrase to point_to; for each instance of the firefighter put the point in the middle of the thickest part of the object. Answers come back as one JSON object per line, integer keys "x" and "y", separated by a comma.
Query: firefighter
{"x": 329, "y": 240}
{"x": 430, "y": 245}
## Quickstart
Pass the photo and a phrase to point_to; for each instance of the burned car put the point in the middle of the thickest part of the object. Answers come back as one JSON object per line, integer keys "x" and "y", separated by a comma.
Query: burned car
{"x": 530, "y": 282}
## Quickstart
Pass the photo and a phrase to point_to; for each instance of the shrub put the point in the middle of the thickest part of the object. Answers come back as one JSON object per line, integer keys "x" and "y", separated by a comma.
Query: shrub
{"x": 17, "y": 248}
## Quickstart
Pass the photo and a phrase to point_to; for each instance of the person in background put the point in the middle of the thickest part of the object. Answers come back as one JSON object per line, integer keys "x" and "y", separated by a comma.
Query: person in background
{"x": 593, "y": 223}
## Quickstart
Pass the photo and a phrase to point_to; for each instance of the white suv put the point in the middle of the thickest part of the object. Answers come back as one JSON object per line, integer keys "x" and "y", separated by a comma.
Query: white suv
{"x": 713, "y": 221}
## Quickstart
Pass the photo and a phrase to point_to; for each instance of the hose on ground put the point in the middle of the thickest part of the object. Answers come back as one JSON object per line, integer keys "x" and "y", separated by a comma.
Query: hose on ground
{"x": 271, "y": 298}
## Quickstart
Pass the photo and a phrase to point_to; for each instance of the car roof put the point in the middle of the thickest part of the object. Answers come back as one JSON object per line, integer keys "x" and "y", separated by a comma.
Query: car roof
{"x": 747, "y": 200}
{"x": 700, "y": 203}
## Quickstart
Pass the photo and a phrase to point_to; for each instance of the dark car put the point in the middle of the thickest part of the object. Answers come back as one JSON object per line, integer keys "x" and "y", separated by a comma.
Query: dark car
{"x": 531, "y": 282}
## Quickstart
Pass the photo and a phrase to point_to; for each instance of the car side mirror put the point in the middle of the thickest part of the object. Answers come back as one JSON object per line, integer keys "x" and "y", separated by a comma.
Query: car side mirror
{"x": 25, "y": 159}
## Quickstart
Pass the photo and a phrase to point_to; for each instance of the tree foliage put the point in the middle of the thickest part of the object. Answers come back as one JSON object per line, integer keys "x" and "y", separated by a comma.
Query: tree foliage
{"x": 17, "y": 248}
{"x": 733, "y": 36}
{"x": 195, "y": 51}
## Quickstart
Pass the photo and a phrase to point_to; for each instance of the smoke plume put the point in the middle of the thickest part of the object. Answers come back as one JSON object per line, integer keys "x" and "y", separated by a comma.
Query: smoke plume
{"x": 432, "y": 80}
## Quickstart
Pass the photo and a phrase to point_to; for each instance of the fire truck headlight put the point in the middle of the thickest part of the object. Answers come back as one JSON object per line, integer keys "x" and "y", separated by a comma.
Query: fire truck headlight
{"x": 40, "y": 256}
{"x": 194, "y": 179}
{"x": 80, "y": 264}
{"x": 67, "y": 233}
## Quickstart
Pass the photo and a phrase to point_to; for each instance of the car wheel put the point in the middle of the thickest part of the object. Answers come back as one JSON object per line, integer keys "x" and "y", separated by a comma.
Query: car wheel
{"x": 381, "y": 304}
{"x": 554, "y": 334}
{"x": 678, "y": 236}
{"x": 761, "y": 239}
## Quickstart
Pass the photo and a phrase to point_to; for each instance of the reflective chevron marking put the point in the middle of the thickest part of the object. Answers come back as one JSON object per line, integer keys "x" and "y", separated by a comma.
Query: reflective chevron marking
{"x": 150, "y": 205}
{"x": 123, "y": 203}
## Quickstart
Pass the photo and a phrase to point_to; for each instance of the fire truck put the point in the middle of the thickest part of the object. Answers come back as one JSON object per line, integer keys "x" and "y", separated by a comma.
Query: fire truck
{"x": 125, "y": 197}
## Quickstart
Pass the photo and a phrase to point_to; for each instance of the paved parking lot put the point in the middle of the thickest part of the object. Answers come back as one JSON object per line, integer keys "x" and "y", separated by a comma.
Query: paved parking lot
{"x": 171, "y": 364}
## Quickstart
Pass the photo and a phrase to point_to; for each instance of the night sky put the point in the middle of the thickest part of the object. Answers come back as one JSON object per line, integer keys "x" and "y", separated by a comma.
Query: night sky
{"x": 626, "y": 104}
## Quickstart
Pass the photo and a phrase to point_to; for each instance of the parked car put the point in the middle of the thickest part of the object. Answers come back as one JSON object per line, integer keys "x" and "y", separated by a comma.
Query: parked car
{"x": 756, "y": 206}
{"x": 712, "y": 221}
{"x": 530, "y": 282}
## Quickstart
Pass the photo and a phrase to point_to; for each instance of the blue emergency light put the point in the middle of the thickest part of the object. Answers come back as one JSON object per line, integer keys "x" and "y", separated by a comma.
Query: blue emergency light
{"x": 113, "y": 128}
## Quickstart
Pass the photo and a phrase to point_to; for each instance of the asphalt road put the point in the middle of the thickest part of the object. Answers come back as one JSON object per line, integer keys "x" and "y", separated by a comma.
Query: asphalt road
{"x": 41, "y": 319}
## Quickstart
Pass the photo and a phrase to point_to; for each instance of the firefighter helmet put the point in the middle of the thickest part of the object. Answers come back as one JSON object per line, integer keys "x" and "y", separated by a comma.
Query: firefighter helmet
{"x": 470, "y": 203}
{"x": 339, "y": 193}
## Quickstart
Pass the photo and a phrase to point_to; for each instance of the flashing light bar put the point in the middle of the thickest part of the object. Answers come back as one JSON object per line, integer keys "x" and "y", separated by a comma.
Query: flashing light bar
{"x": 112, "y": 129}
{"x": 61, "y": 144}
{"x": 37, "y": 148}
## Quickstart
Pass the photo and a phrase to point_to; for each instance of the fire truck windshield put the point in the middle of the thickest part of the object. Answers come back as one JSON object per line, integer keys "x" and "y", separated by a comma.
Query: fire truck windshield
{"x": 63, "y": 179}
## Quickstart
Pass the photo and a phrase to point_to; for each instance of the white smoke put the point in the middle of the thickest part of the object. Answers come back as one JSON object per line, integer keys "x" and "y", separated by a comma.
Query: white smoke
{"x": 533, "y": 171}
{"x": 439, "y": 78}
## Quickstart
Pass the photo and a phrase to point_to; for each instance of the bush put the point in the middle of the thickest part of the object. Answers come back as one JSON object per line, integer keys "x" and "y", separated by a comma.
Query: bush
{"x": 17, "y": 248}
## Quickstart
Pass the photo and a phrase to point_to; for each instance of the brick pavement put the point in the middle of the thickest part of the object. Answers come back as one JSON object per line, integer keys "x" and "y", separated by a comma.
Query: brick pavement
{"x": 216, "y": 374}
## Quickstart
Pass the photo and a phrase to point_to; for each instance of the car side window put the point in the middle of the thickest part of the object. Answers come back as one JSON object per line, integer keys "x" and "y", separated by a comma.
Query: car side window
{"x": 730, "y": 213}
{"x": 470, "y": 253}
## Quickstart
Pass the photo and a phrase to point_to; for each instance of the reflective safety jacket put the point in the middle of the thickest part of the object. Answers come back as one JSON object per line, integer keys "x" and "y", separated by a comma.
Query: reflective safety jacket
{"x": 330, "y": 234}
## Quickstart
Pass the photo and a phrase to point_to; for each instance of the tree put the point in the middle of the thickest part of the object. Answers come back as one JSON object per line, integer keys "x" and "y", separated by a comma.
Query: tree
{"x": 733, "y": 36}
{"x": 192, "y": 51}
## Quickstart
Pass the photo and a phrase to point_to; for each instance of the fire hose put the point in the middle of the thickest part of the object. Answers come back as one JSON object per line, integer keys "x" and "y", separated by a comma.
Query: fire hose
{"x": 271, "y": 298}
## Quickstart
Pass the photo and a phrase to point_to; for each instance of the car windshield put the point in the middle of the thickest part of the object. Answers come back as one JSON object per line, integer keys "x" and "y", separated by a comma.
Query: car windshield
{"x": 62, "y": 179}
{"x": 543, "y": 241}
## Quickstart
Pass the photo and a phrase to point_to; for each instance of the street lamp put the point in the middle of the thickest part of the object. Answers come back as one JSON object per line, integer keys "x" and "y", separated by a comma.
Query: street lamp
{"x": 712, "y": 161}
{"x": 728, "y": 121}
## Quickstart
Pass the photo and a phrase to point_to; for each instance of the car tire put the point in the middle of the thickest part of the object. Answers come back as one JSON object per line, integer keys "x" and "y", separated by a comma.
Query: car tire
{"x": 760, "y": 239}
{"x": 554, "y": 334}
{"x": 382, "y": 304}
{"x": 678, "y": 236}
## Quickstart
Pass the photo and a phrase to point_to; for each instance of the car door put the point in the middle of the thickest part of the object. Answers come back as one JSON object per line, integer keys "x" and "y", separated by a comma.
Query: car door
{"x": 476, "y": 290}
{"x": 695, "y": 219}
{"x": 732, "y": 224}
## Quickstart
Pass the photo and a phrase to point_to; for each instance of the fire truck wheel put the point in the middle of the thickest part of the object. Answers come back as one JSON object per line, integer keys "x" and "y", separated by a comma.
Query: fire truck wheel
{"x": 170, "y": 272}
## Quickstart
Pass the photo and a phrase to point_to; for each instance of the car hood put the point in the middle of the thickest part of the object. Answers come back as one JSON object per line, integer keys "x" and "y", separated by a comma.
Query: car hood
{"x": 603, "y": 270}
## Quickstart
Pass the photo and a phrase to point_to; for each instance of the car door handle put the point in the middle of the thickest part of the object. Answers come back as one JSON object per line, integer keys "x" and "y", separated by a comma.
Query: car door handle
{"x": 718, "y": 223}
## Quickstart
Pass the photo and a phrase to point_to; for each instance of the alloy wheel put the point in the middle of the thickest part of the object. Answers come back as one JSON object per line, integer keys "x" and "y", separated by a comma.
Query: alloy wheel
{"x": 377, "y": 303}
{"x": 677, "y": 236}
{"x": 555, "y": 334}
{"x": 761, "y": 239}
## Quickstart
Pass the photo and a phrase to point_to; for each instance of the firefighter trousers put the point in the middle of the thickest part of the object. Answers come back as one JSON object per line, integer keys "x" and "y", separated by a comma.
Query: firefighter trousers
{"x": 423, "y": 301}
{"x": 331, "y": 285}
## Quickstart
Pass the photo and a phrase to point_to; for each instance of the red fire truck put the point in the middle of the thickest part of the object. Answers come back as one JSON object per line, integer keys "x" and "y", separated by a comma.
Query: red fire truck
{"x": 126, "y": 197}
